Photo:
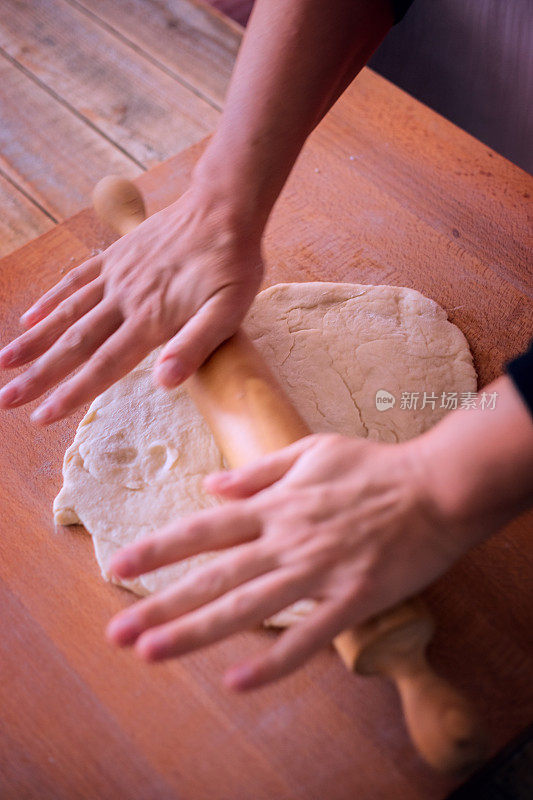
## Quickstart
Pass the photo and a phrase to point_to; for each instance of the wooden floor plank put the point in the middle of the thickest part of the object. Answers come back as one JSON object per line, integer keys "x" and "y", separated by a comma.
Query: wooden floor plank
{"x": 192, "y": 40}
{"x": 137, "y": 105}
{"x": 48, "y": 151}
{"x": 20, "y": 220}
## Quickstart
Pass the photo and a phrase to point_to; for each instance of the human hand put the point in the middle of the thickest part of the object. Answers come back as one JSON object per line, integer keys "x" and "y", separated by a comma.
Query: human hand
{"x": 185, "y": 276}
{"x": 351, "y": 523}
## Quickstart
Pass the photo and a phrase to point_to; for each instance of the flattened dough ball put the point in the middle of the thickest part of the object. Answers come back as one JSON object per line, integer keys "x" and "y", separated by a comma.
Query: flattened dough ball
{"x": 140, "y": 453}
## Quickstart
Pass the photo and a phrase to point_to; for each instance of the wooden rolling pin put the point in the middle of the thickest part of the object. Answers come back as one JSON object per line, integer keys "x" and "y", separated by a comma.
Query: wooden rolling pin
{"x": 250, "y": 415}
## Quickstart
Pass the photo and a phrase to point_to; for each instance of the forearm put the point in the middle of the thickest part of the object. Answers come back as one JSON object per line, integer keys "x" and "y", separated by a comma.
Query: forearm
{"x": 296, "y": 58}
{"x": 481, "y": 462}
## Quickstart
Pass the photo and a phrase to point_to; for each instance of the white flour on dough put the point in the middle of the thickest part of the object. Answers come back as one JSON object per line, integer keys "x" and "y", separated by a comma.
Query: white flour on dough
{"x": 140, "y": 453}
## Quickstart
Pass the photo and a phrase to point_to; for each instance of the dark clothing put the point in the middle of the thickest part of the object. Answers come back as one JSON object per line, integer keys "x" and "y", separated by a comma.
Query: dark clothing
{"x": 400, "y": 8}
{"x": 521, "y": 371}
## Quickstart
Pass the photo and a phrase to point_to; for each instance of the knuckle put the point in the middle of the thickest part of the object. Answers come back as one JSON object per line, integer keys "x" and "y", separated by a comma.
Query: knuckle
{"x": 31, "y": 375}
{"x": 360, "y": 590}
{"x": 327, "y": 441}
{"x": 64, "y": 315}
{"x": 102, "y": 361}
{"x": 302, "y": 535}
{"x": 211, "y": 583}
{"x": 75, "y": 306}
{"x": 296, "y": 553}
{"x": 266, "y": 552}
{"x": 241, "y": 605}
{"x": 316, "y": 438}
{"x": 349, "y": 596}
{"x": 146, "y": 554}
{"x": 75, "y": 340}
{"x": 71, "y": 279}
{"x": 197, "y": 528}
{"x": 320, "y": 553}
{"x": 148, "y": 615}
{"x": 202, "y": 630}
{"x": 335, "y": 438}
{"x": 319, "y": 500}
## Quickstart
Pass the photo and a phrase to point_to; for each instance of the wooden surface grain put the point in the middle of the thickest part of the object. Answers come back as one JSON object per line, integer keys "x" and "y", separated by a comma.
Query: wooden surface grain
{"x": 20, "y": 216}
{"x": 92, "y": 71}
{"x": 49, "y": 152}
{"x": 89, "y": 88}
{"x": 196, "y": 43}
{"x": 385, "y": 191}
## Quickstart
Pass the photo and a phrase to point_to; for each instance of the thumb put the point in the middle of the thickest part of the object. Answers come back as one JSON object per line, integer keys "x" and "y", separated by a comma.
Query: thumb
{"x": 260, "y": 474}
{"x": 212, "y": 324}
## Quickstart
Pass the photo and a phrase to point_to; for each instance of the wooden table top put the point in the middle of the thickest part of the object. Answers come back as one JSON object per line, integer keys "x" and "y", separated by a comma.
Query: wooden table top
{"x": 100, "y": 86}
{"x": 384, "y": 192}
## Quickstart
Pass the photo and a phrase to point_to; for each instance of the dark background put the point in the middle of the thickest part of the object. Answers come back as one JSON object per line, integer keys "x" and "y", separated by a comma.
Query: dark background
{"x": 470, "y": 60}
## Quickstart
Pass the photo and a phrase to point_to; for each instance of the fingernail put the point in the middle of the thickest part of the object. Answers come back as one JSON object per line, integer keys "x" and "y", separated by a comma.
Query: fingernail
{"x": 7, "y": 356}
{"x": 122, "y": 629}
{"x": 9, "y": 395}
{"x": 43, "y": 414}
{"x": 219, "y": 478}
{"x": 26, "y": 317}
{"x": 122, "y": 566}
{"x": 151, "y": 647}
{"x": 239, "y": 677}
{"x": 170, "y": 372}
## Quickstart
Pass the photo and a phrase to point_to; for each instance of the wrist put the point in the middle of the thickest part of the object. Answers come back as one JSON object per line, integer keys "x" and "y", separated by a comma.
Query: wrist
{"x": 449, "y": 487}
{"x": 220, "y": 179}
{"x": 478, "y": 466}
{"x": 451, "y": 492}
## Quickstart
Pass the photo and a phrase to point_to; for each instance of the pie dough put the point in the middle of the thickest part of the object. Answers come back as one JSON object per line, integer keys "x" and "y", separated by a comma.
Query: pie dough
{"x": 140, "y": 453}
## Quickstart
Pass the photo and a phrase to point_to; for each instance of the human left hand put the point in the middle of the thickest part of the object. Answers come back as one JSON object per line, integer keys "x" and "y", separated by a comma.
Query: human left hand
{"x": 352, "y": 523}
{"x": 184, "y": 279}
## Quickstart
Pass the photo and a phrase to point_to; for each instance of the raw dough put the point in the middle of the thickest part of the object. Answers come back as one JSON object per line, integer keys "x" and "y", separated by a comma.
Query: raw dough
{"x": 140, "y": 452}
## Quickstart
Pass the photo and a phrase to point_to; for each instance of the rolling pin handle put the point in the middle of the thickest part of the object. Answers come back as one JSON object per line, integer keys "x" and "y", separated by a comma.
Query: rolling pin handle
{"x": 441, "y": 722}
{"x": 119, "y": 204}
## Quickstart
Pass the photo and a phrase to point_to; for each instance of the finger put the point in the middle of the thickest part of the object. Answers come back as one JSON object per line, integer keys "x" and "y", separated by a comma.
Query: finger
{"x": 200, "y": 586}
{"x": 73, "y": 280}
{"x": 212, "y": 324}
{"x": 246, "y": 481}
{"x": 73, "y": 348}
{"x": 240, "y": 609}
{"x": 291, "y": 649}
{"x": 212, "y": 529}
{"x": 43, "y": 334}
{"x": 116, "y": 357}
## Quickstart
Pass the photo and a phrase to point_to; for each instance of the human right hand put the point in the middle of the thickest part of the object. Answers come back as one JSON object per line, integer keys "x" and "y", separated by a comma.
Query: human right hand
{"x": 354, "y": 524}
{"x": 186, "y": 276}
